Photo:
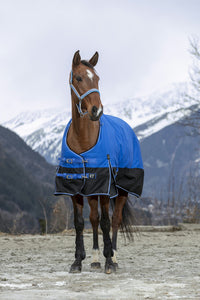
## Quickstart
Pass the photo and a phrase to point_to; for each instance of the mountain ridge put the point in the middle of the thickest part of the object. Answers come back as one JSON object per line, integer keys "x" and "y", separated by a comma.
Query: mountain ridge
{"x": 43, "y": 130}
{"x": 26, "y": 185}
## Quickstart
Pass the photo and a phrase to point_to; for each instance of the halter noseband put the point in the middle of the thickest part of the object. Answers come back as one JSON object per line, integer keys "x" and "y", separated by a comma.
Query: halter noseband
{"x": 81, "y": 97}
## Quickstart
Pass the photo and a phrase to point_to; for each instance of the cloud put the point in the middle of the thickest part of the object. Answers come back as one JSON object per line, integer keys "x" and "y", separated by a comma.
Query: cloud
{"x": 142, "y": 46}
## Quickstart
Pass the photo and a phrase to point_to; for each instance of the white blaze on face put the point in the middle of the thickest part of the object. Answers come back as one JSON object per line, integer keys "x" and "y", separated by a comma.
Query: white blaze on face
{"x": 90, "y": 74}
{"x": 99, "y": 110}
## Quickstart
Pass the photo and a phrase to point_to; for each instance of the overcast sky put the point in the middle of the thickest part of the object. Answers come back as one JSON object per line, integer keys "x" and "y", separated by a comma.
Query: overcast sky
{"x": 143, "y": 46}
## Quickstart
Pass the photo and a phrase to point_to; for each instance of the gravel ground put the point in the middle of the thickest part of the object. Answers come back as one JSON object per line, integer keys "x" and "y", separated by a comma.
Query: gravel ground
{"x": 159, "y": 264}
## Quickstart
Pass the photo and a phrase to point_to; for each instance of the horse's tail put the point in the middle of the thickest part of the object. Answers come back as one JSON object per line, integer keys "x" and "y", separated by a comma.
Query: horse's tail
{"x": 128, "y": 218}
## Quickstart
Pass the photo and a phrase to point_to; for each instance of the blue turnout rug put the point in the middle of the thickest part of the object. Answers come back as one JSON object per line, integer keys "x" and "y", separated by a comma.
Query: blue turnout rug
{"x": 114, "y": 162}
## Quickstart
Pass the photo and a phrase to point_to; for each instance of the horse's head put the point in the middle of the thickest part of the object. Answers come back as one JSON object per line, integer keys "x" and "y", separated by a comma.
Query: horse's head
{"x": 84, "y": 86}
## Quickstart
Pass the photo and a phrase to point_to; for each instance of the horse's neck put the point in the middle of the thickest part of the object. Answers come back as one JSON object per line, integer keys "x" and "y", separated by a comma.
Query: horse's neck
{"x": 83, "y": 133}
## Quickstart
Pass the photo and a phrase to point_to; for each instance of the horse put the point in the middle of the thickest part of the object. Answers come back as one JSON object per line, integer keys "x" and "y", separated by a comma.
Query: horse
{"x": 101, "y": 161}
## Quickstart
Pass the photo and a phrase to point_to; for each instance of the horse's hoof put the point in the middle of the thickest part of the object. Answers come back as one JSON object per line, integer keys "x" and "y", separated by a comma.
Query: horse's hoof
{"x": 76, "y": 267}
{"x": 110, "y": 267}
{"x": 95, "y": 266}
{"x": 116, "y": 266}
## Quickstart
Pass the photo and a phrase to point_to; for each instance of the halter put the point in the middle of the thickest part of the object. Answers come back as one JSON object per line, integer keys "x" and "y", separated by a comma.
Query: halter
{"x": 81, "y": 97}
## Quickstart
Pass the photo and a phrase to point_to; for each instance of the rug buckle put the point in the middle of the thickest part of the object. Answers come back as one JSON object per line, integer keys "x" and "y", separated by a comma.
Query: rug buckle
{"x": 69, "y": 161}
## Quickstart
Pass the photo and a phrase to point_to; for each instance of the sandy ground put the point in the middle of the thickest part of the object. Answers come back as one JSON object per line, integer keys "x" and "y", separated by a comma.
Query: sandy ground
{"x": 157, "y": 265}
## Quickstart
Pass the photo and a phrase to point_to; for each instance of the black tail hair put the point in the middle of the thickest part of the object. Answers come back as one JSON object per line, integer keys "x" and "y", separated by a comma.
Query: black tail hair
{"x": 128, "y": 219}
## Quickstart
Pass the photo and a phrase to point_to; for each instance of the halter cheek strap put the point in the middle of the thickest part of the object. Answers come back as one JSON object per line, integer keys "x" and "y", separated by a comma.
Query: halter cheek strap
{"x": 81, "y": 97}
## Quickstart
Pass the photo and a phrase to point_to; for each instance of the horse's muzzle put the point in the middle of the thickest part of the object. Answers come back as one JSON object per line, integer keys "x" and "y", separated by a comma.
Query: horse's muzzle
{"x": 96, "y": 113}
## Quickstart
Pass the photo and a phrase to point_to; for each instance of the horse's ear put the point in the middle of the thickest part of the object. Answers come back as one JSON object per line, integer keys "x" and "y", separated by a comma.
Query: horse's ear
{"x": 93, "y": 61}
{"x": 76, "y": 58}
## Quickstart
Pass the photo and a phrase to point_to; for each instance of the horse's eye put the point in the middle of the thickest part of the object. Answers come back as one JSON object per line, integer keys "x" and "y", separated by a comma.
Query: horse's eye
{"x": 78, "y": 78}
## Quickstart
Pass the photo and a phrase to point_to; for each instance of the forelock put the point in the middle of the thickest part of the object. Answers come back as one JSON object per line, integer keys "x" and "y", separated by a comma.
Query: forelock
{"x": 87, "y": 64}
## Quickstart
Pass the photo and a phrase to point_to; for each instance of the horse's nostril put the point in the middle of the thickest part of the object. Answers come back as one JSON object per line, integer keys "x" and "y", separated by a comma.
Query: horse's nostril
{"x": 94, "y": 111}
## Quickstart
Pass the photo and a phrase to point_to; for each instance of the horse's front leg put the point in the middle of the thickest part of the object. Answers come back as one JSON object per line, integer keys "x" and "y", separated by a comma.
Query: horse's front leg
{"x": 94, "y": 219}
{"x": 105, "y": 226}
{"x": 79, "y": 225}
{"x": 116, "y": 221}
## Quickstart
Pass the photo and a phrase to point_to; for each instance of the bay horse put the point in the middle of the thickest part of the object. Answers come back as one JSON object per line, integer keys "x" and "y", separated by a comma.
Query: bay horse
{"x": 100, "y": 160}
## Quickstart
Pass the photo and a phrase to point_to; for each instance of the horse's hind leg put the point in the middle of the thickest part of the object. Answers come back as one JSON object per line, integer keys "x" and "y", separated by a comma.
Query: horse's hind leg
{"x": 117, "y": 220}
{"x": 105, "y": 226}
{"x": 94, "y": 219}
{"x": 79, "y": 225}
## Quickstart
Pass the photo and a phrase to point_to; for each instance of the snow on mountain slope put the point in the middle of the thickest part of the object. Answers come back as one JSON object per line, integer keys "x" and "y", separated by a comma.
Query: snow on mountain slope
{"x": 173, "y": 101}
{"x": 43, "y": 130}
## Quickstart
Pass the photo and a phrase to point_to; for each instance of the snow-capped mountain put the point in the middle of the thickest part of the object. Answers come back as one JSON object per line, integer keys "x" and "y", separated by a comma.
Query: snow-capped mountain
{"x": 43, "y": 130}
